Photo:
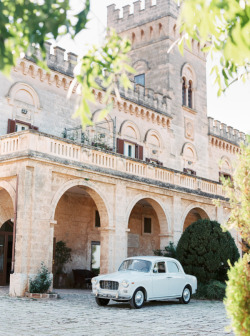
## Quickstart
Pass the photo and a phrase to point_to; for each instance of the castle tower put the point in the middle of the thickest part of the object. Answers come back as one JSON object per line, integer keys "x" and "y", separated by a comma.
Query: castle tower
{"x": 182, "y": 79}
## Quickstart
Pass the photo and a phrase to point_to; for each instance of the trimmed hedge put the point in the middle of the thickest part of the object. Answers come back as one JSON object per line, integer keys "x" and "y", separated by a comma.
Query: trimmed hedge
{"x": 204, "y": 250}
{"x": 214, "y": 290}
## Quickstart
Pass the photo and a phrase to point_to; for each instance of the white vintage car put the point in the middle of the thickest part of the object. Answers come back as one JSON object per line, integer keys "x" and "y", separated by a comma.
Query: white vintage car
{"x": 141, "y": 279}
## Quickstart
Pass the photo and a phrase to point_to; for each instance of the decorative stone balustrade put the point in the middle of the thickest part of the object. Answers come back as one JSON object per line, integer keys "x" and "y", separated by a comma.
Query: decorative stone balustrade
{"x": 225, "y": 132}
{"x": 43, "y": 145}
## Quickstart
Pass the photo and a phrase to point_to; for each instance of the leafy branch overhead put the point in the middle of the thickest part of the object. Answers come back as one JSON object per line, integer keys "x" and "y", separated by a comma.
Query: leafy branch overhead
{"x": 110, "y": 65}
{"x": 27, "y": 24}
{"x": 222, "y": 27}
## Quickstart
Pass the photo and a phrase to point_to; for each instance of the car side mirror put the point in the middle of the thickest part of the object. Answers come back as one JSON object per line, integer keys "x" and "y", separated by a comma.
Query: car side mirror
{"x": 155, "y": 270}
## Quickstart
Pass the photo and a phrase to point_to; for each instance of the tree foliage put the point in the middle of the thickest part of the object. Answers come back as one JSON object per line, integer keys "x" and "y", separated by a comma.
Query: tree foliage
{"x": 238, "y": 192}
{"x": 237, "y": 300}
{"x": 27, "y": 24}
{"x": 222, "y": 27}
{"x": 62, "y": 255}
{"x": 204, "y": 250}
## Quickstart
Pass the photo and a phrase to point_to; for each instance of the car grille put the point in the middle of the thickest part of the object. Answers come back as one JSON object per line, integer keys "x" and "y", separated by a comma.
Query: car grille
{"x": 111, "y": 285}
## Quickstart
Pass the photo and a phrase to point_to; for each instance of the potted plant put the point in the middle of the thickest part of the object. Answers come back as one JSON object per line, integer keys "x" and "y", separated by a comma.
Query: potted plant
{"x": 62, "y": 256}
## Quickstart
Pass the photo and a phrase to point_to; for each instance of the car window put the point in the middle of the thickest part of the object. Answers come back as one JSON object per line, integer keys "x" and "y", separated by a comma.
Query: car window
{"x": 172, "y": 267}
{"x": 138, "y": 265}
{"x": 160, "y": 267}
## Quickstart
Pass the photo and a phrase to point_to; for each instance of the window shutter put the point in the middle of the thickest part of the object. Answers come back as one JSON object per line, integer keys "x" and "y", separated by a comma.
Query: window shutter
{"x": 11, "y": 126}
{"x": 120, "y": 146}
{"x": 140, "y": 152}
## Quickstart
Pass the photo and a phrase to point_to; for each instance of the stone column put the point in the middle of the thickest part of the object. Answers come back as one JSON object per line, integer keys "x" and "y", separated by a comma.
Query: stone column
{"x": 107, "y": 249}
{"x": 34, "y": 235}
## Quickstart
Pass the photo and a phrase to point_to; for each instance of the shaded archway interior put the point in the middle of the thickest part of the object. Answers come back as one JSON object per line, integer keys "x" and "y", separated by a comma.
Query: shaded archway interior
{"x": 6, "y": 236}
{"x": 78, "y": 221}
{"x": 144, "y": 229}
{"x": 194, "y": 215}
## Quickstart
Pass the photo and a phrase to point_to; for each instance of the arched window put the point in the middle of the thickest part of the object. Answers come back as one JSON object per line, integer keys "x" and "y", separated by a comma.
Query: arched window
{"x": 190, "y": 100}
{"x": 188, "y": 86}
{"x": 183, "y": 91}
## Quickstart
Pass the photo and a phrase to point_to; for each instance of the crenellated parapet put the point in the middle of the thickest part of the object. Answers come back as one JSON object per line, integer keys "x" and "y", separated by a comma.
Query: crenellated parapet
{"x": 58, "y": 60}
{"x": 225, "y": 132}
{"x": 134, "y": 16}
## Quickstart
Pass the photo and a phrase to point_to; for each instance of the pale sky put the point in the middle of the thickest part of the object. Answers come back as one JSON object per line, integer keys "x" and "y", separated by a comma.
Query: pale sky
{"x": 232, "y": 108}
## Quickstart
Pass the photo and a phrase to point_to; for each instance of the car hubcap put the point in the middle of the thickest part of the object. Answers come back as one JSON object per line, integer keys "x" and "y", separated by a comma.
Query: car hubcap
{"x": 186, "y": 294}
{"x": 139, "y": 298}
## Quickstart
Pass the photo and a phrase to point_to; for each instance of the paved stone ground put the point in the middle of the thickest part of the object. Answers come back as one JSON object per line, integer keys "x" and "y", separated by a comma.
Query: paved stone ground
{"x": 76, "y": 314}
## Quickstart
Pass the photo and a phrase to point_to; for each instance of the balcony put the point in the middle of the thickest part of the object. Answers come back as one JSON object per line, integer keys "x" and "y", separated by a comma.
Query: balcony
{"x": 41, "y": 145}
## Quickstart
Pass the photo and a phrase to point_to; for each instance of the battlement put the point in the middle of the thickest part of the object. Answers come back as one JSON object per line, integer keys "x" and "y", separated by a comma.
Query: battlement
{"x": 59, "y": 60}
{"x": 134, "y": 16}
{"x": 225, "y": 132}
{"x": 147, "y": 98}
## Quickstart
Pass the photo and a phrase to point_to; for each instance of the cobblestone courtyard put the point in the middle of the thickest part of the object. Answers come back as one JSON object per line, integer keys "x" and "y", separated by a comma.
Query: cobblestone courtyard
{"x": 76, "y": 313}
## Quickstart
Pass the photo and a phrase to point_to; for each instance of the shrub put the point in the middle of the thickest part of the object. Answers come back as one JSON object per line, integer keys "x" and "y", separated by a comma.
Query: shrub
{"x": 42, "y": 281}
{"x": 169, "y": 251}
{"x": 237, "y": 299}
{"x": 204, "y": 249}
{"x": 214, "y": 290}
{"x": 62, "y": 255}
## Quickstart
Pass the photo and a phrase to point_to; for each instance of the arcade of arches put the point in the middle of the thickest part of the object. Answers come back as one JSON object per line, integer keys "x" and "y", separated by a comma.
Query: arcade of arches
{"x": 85, "y": 215}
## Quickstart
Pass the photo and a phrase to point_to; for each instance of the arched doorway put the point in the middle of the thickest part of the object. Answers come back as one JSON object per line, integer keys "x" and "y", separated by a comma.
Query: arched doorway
{"x": 80, "y": 214}
{"x": 194, "y": 215}
{"x": 6, "y": 243}
{"x": 146, "y": 223}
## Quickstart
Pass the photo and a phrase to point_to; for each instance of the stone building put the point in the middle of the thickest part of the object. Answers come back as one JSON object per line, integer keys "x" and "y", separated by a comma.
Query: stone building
{"x": 126, "y": 186}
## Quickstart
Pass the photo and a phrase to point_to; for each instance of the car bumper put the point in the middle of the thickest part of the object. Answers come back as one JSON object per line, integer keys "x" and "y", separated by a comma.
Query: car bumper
{"x": 115, "y": 295}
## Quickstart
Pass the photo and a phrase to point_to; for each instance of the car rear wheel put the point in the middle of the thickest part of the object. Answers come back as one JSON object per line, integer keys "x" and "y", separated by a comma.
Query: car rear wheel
{"x": 186, "y": 295}
{"x": 138, "y": 299}
{"x": 101, "y": 302}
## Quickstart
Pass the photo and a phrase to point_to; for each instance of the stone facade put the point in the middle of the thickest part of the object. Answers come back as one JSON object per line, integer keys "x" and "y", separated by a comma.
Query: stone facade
{"x": 150, "y": 168}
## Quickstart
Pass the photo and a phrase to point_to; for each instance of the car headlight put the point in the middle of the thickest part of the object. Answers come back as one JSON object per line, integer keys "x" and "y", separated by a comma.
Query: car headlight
{"x": 125, "y": 283}
{"x": 94, "y": 281}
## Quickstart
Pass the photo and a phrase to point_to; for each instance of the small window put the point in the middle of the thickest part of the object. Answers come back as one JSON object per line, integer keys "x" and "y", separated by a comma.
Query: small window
{"x": 183, "y": 91}
{"x": 140, "y": 79}
{"x": 147, "y": 225}
{"x": 21, "y": 127}
{"x": 172, "y": 267}
{"x": 190, "y": 100}
{"x": 129, "y": 149}
{"x": 97, "y": 219}
{"x": 160, "y": 266}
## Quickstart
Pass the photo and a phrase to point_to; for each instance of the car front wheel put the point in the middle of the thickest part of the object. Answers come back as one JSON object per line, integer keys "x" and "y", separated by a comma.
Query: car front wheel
{"x": 101, "y": 302}
{"x": 138, "y": 299}
{"x": 186, "y": 295}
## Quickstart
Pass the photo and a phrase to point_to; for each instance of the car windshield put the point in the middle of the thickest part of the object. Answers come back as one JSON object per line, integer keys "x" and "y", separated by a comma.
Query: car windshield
{"x": 135, "y": 265}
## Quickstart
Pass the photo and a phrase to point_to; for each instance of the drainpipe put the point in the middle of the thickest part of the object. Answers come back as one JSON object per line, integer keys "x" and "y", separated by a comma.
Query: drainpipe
{"x": 14, "y": 230}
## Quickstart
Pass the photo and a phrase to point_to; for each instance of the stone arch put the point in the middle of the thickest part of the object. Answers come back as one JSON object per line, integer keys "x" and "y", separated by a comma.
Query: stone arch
{"x": 96, "y": 194}
{"x": 7, "y": 202}
{"x": 155, "y": 137}
{"x": 163, "y": 217}
{"x": 188, "y": 72}
{"x": 129, "y": 129}
{"x": 24, "y": 93}
{"x": 192, "y": 213}
{"x": 141, "y": 66}
{"x": 189, "y": 155}
{"x": 10, "y": 190}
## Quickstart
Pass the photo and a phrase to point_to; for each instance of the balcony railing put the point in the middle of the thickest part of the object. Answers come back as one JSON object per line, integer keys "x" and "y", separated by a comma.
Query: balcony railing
{"x": 26, "y": 141}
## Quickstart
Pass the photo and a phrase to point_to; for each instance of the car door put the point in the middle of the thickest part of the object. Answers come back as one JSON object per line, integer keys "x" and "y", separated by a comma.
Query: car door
{"x": 159, "y": 279}
{"x": 176, "y": 279}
